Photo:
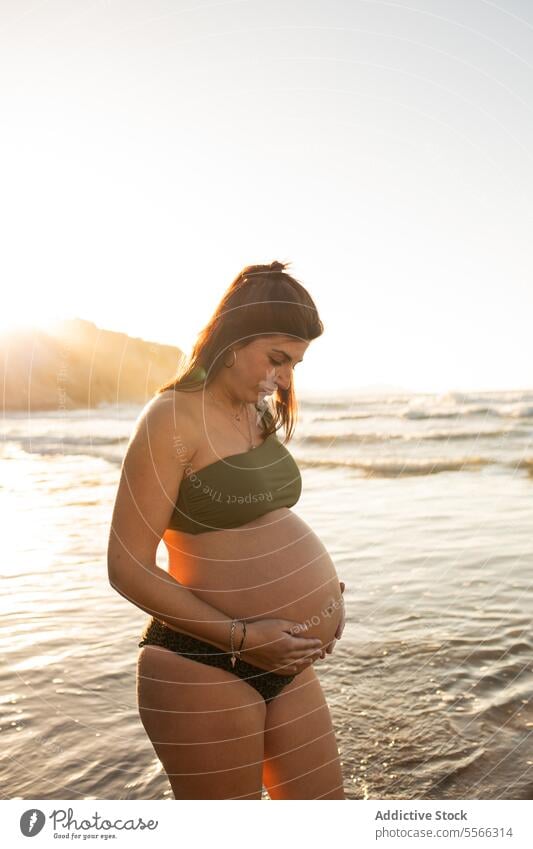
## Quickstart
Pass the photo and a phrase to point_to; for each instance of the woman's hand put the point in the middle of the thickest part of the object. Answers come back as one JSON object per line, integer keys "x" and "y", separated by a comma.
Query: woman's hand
{"x": 340, "y": 628}
{"x": 280, "y": 646}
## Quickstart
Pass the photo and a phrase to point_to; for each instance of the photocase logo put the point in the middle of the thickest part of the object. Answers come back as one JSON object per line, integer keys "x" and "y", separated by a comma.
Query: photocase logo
{"x": 31, "y": 822}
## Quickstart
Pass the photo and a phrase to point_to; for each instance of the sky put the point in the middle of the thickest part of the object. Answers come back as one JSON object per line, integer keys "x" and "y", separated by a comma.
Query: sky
{"x": 152, "y": 148}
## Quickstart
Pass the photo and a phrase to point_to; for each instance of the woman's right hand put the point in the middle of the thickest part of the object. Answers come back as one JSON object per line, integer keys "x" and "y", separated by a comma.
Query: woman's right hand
{"x": 280, "y": 646}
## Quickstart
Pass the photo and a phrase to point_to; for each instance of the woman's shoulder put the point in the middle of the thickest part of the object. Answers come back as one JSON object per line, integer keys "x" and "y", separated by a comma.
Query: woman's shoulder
{"x": 170, "y": 399}
{"x": 170, "y": 415}
{"x": 185, "y": 411}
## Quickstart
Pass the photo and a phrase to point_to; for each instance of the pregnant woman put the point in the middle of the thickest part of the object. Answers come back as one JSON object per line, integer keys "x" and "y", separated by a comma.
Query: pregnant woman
{"x": 226, "y": 685}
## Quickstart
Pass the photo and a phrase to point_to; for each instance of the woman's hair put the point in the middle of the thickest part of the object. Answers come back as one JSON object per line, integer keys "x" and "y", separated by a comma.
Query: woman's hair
{"x": 262, "y": 300}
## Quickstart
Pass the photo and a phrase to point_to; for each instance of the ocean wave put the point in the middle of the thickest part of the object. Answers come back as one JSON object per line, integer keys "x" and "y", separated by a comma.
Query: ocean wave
{"x": 414, "y": 413}
{"x": 518, "y": 411}
{"x": 505, "y": 396}
{"x": 50, "y": 442}
{"x": 418, "y": 413}
{"x": 398, "y": 467}
{"x": 352, "y": 416}
{"x": 332, "y": 439}
{"x": 326, "y": 404}
{"x": 523, "y": 463}
{"x": 99, "y": 453}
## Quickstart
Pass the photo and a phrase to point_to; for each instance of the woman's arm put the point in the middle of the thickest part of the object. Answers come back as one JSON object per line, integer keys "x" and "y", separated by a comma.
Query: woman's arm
{"x": 152, "y": 470}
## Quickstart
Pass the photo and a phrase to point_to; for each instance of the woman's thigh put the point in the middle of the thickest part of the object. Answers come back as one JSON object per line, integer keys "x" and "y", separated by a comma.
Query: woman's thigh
{"x": 301, "y": 756}
{"x": 205, "y": 724}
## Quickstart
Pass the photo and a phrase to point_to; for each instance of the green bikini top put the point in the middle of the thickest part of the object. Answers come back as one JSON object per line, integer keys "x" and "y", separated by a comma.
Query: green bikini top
{"x": 237, "y": 489}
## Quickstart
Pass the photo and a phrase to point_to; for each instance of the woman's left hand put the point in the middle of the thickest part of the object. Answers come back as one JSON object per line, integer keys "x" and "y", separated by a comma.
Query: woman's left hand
{"x": 340, "y": 627}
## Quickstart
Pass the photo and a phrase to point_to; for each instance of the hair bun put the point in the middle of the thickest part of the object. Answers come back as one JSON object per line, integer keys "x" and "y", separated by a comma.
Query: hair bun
{"x": 277, "y": 266}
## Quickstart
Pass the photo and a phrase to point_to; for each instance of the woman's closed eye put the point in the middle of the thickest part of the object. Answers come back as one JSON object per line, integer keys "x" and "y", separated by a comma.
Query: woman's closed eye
{"x": 276, "y": 363}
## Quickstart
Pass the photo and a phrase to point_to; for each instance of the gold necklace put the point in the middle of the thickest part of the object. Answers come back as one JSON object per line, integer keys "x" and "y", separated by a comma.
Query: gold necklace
{"x": 235, "y": 416}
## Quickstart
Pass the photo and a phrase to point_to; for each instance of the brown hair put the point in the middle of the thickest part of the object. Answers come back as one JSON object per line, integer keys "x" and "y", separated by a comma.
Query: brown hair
{"x": 275, "y": 303}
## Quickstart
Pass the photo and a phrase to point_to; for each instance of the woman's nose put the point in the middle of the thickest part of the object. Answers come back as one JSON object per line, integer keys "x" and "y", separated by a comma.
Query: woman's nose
{"x": 283, "y": 381}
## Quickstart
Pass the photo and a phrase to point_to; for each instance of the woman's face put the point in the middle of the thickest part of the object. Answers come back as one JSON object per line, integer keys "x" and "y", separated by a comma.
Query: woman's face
{"x": 268, "y": 362}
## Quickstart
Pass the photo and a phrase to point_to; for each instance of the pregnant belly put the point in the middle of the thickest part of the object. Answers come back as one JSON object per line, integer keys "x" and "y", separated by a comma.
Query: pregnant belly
{"x": 274, "y": 567}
